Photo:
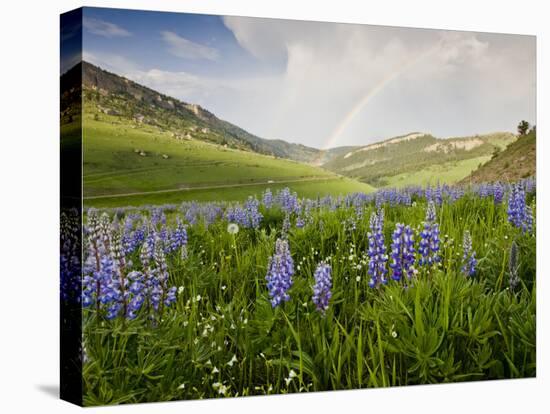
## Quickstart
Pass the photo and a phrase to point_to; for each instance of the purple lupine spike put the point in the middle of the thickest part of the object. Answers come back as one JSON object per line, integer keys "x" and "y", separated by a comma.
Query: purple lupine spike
{"x": 469, "y": 255}
{"x": 322, "y": 288}
{"x": 517, "y": 208}
{"x": 377, "y": 250}
{"x": 279, "y": 273}
{"x": 178, "y": 240}
{"x": 429, "y": 238}
{"x": 267, "y": 199}
{"x": 402, "y": 252}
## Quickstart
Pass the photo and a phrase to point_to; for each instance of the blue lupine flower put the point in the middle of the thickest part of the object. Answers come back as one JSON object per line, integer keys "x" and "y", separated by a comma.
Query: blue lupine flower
{"x": 279, "y": 273}
{"x": 248, "y": 216}
{"x": 429, "y": 238}
{"x": 178, "y": 240}
{"x": 517, "y": 211}
{"x": 70, "y": 264}
{"x": 322, "y": 288}
{"x": 192, "y": 213}
{"x": 267, "y": 199}
{"x": 402, "y": 252}
{"x": 377, "y": 250}
{"x": 147, "y": 251}
{"x": 160, "y": 294}
{"x": 438, "y": 195}
{"x": 469, "y": 256}
{"x": 287, "y": 201}
{"x": 137, "y": 293}
{"x": 254, "y": 216}
{"x": 498, "y": 192}
{"x": 158, "y": 217}
{"x": 286, "y": 225}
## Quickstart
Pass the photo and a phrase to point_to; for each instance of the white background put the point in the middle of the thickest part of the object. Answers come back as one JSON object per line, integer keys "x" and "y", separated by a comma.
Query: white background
{"x": 29, "y": 193}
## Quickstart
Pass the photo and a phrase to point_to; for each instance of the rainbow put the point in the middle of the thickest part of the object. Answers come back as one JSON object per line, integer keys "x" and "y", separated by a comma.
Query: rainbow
{"x": 361, "y": 103}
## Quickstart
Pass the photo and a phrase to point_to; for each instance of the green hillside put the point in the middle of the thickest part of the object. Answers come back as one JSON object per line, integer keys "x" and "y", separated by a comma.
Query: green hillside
{"x": 418, "y": 158}
{"x": 116, "y": 95}
{"x": 143, "y": 147}
{"x": 518, "y": 160}
{"x": 126, "y": 163}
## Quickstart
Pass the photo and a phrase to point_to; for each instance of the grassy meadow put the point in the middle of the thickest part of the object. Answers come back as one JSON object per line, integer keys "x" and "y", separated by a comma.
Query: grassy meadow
{"x": 170, "y": 170}
{"x": 220, "y": 335}
{"x": 449, "y": 172}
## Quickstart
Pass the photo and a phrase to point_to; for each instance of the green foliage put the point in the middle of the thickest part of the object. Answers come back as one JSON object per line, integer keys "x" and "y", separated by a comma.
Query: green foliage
{"x": 223, "y": 338}
{"x": 523, "y": 127}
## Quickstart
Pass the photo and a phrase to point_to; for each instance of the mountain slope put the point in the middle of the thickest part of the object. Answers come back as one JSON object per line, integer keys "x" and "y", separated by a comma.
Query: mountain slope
{"x": 119, "y": 96}
{"x": 129, "y": 164}
{"x": 141, "y": 147}
{"x": 417, "y": 158}
{"x": 517, "y": 161}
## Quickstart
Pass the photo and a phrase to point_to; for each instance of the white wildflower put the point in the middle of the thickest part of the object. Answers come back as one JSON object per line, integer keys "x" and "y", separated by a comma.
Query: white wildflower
{"x": 233, "y": 360}
{"x": 233, "y": 228}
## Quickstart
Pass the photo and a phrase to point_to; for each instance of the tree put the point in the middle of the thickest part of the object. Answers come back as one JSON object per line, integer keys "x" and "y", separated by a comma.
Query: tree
{"x": 523, "y": 126}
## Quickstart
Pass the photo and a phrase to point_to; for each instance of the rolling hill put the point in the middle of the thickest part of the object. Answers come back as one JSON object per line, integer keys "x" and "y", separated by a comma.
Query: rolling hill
{"x": 418, "y": 158}
{"x": 518, "y": 160}
{"x": 141, "y": 147}
{"x": 117, "y": 95}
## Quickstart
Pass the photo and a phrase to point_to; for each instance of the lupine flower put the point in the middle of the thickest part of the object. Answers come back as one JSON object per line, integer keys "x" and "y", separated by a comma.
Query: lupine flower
{"x": 377, "y": 250}
{"x": 70, "y": 264}
{"x": 288, "y": 201}
{"x": 279, "y": 273}
{"x": 469, "y": 256}
{"x": 322, "y": 288}
{"x": 178, "y": 240}
{"x": 286, "y": 225}
{"x": 498, "y": 192}
{"x": 161, "y": 295}
{"x": 517, "y": 209}
{"x": 105, "y": 230}
{"x": 192, "y": 213}
{"x": 93, "y": 227}
{"x": 402, "y": 252}
{"x": 137, "y": 293}
{"x": 429, "y": 238}
{"x": 158, "y": 217}
{"x": 437, "y": 195}
{"x": 254, "y": 216}
{"x": 267, "y": 199}
{"x": 248, "y": 216}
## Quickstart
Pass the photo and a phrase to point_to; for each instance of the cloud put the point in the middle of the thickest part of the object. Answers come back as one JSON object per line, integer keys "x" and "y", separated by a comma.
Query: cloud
{"x": 103, "y": 28}
{"x": 444, "y": 82}
{"x": 184, "y": 48}
{"x": 401, "y": 80}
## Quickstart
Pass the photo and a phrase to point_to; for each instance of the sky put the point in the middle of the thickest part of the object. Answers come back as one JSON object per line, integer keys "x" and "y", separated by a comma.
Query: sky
{"x": 321, "y": 84}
